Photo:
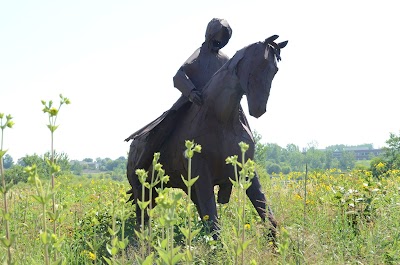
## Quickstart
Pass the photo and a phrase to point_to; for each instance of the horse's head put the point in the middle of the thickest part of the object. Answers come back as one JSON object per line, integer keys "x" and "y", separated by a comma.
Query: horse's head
{"x": 256, "y": 68}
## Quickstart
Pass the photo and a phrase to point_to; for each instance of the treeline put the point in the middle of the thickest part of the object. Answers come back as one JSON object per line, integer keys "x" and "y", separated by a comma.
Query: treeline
{"x": 390, "y": 160}
{"x": 272, "y": 157}
{"x": 276, "y": 159}
{"x": 114, "y": 169}
{"x": 103, "y": 167}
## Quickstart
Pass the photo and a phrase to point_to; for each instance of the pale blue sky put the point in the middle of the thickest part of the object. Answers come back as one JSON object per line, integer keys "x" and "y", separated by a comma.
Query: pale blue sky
{"x": 338, "y": 80}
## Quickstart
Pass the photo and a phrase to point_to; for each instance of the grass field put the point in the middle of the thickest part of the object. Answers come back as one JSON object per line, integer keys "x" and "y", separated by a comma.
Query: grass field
{"x": 326, "y": 218}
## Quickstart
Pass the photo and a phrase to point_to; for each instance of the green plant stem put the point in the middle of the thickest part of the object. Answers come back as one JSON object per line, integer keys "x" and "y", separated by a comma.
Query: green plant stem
{"x": 7, "y": 224}
{"x": 46, "y": 245}
{"x": 243, "y": 193}
{"x": 53, "y": 192}
{"x": 151, "y": 207}
{"x": 163, "y": 227}
{"x": 189, "y": 239}
{"x": 238, "y": 220}
{"x": 171, "y": 237}
{"x": 123, "y": 232}
{"x": 142, "y": 224}
{"x": 305, "y": 204}
{"x": 113, "y": 226}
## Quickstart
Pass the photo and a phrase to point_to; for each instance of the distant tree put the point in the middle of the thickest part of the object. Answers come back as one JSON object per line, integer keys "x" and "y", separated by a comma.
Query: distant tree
{"x": 76, "y": 167}
{"x": 15, "y": 174}
{"x": 260, "y": 154}
{"x": 315, "y": 158}
{"x": 378, "y": 166}
{"x": 347, "y": 160}
{"x": 30, "y": 160}
{"x": 328, "y": 159}
{"x": 335, "y": 163}
{"x": 274, "y": 153}
{"x": 336, "y": 147}
{"x": 7, "y": 161}
{"x": 43, "y": 169}
{"x": 392, "y": 151}
{"x": 295, "y": 158}
{"x": 286, "y": 169}
{"x": 62, "y": 160}
{"x": 88, "y": 160}
{"x": 104, "y": 164}
{"x": 274, "y": 168}
{"x": 121, "y": 159}
{"x": 110, "y": 165}
{"x": 292, "y": 148}
{"x": 365, "y": 146}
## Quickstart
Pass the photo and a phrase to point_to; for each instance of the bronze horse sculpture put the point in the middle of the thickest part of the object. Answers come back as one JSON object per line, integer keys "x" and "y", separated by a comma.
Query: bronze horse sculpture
{"x": 216, "y": 126}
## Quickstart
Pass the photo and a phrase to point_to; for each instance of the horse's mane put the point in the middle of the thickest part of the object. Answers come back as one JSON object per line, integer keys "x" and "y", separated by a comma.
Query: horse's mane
{"x": 232, "y": 65}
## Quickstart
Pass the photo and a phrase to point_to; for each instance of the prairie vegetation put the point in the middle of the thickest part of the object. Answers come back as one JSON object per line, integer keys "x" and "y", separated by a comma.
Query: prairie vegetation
{"x": 334, "y": 218}
{"x": 325, "y": 216}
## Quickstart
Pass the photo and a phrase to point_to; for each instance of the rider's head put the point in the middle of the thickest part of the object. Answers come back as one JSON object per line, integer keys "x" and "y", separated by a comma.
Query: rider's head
{"x": 218, "y": 34}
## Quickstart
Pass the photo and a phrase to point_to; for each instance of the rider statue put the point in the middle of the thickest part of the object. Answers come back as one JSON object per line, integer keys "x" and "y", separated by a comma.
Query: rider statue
{"x": 190, "y": 79}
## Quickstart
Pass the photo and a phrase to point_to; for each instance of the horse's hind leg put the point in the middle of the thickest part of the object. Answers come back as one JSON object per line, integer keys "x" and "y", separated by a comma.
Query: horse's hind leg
{"x": 258, "y": 200}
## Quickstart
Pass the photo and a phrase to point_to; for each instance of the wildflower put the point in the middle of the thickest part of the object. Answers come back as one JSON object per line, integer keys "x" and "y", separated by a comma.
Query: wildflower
{"x": 380, "y": 165}
{"x": 10, "y": 124}
{"x": 297, "y": 196}
{"x": 243, "y": 146}
{"x": 53, "y": 112}
{"x": 232, "y": 160}
{"x": 247, "y": 226}
{"x": 158, "y": 167}
{"x": 197, "y": 148}
{"x": 89, "y": 254}
{"x": 206, "y": 217}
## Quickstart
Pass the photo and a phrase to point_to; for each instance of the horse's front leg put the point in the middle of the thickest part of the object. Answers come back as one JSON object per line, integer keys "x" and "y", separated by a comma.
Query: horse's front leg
{"x": 258, "y": 200}
{"x": 208, "y": 207}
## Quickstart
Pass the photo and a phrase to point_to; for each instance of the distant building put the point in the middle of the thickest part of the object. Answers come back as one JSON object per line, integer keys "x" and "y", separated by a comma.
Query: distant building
{"x": 360, "y": 153}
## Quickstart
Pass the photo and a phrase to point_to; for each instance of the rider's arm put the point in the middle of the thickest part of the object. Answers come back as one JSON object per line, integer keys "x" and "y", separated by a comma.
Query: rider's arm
{"x": 183, "y": 83}
{"x": 186, "y": 86}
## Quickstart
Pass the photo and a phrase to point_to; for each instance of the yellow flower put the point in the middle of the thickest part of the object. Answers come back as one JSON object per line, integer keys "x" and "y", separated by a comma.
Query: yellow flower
{"x": 380, "y": 165}
{"x": 297, "y": 196}
{"x": 206, "y": 217}
{"x": 247, "y": 226}
{"x": 89, "y": 254}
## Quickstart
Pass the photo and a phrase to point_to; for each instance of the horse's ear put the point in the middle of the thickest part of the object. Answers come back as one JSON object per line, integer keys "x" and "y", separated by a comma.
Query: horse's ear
{"x": 282, "y": 44}
{"x": 271, "y": 39}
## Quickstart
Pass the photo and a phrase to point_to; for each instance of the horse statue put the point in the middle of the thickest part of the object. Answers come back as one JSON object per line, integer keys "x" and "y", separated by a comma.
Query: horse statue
{"x": 216, "y": 126}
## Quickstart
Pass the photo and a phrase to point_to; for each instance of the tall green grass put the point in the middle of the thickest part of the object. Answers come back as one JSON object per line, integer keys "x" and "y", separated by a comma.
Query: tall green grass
{"x": 349, "y": 218}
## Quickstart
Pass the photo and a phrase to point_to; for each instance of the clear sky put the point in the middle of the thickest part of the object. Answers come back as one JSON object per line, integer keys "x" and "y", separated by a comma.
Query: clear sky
{"x": 338, "y": 81}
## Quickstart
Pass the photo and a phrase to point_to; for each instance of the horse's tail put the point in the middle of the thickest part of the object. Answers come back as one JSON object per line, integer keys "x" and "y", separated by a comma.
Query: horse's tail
{"x": 145, "y": 142}
{"x": 131, "y": 175}
{"x": 140, "y": 157}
